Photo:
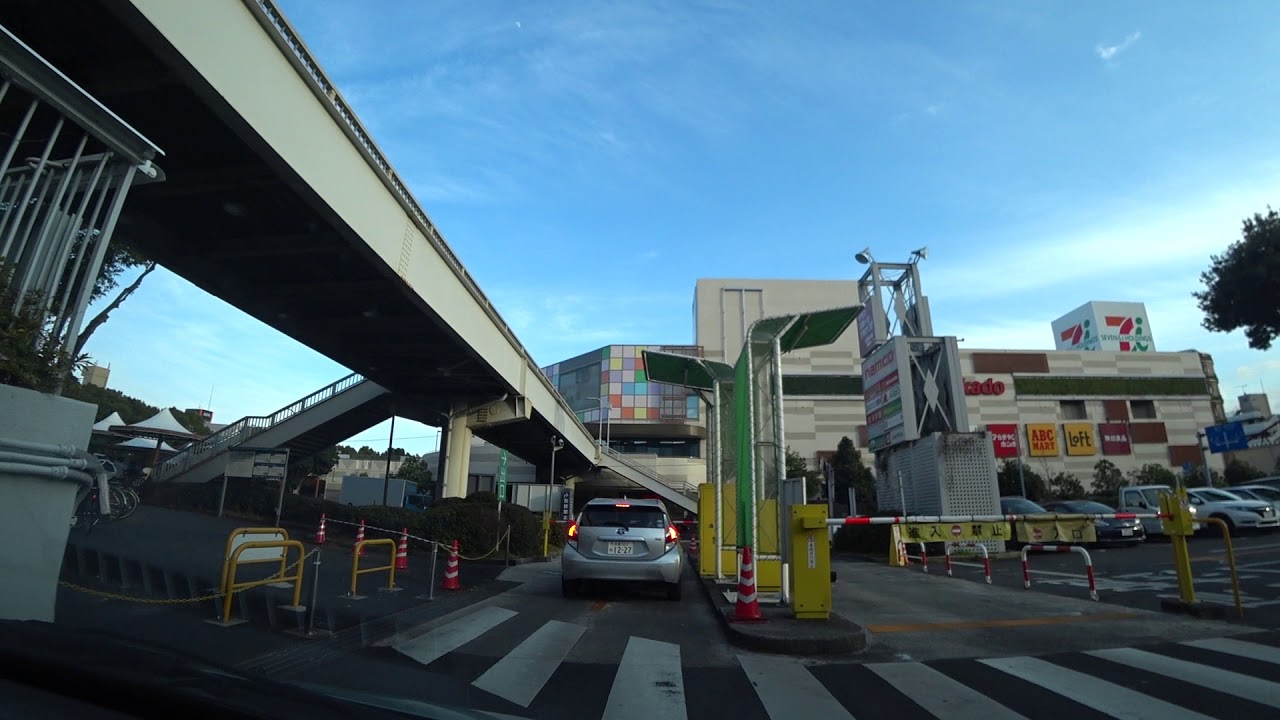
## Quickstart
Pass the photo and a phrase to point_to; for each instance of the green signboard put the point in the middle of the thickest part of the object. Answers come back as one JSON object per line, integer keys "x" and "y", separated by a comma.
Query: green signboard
{"x": 502, "y": 475}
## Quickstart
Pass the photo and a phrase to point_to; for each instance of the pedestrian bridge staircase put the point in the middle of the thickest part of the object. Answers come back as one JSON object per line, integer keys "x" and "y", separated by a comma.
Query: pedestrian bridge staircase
{"x": 676, "y": 491}
{"x": 323, "y": 418}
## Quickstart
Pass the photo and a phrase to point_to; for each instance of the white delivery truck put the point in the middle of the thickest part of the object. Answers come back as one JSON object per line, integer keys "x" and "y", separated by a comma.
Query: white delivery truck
{"x": 360, "y": 491}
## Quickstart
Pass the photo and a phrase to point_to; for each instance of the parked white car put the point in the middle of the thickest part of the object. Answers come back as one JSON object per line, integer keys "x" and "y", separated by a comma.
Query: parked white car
{"x": 1235, "y": 510}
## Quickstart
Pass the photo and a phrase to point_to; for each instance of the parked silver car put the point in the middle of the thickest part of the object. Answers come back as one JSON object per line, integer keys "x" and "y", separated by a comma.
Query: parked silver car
{"x": 627, "y": 540}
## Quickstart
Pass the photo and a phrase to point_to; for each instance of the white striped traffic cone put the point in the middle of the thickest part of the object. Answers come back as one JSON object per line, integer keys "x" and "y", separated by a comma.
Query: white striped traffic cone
{"x": 747, "y": 608}
{"x": 360, "y": 536}
{"x": 402, "y": 552}
{"x": 320, "y": 532}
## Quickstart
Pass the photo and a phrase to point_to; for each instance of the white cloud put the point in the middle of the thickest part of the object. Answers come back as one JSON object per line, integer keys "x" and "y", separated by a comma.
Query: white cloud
{"x": 1110, "y": 52}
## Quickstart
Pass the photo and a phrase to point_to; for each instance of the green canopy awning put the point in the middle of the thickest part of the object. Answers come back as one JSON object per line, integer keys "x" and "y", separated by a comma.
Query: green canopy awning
{"x": 684, "y": 370}
{"x": 815, "y": 329}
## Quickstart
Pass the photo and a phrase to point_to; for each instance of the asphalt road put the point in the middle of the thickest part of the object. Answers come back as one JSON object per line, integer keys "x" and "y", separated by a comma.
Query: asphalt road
{"x": 618, "y": 655}
{"x": 1139, "y": 576}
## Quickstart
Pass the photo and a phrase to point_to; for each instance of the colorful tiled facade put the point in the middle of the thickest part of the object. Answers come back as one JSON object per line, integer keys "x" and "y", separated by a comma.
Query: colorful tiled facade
{"x": 617, "y": 373}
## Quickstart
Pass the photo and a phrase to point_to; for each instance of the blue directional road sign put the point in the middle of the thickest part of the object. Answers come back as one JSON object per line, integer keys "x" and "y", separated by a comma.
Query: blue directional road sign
{"x": 1225, "y": 438}
{"x": 1187, "y": 469}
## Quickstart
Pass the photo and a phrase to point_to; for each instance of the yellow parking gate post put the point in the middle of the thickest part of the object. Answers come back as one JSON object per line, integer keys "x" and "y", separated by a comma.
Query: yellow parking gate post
{"x": 357, "y": 571}
{"x": 811, "y": 562}
{"x": 231, "y": 587}
{"x": 1178, "y": 526}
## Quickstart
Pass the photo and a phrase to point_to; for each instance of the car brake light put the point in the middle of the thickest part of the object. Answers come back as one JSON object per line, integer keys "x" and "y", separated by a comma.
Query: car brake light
{"x": 622, "y": 504}
{"x": 573, "y": 532}
{"x": 672, "y": 535}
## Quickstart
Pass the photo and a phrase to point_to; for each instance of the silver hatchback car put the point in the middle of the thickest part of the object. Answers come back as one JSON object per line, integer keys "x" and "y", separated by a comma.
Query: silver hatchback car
{"x": 628, "y": 540}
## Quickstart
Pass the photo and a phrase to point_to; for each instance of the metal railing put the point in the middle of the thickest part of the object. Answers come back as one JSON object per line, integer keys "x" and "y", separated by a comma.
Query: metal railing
{"x": 270, "y": 16}
{"x": 245, "y": 428}
{"x": 678, "y": 484}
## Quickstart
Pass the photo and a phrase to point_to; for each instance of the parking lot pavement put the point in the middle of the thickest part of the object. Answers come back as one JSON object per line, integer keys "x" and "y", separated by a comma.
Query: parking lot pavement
{"x": 1139, "y": 576}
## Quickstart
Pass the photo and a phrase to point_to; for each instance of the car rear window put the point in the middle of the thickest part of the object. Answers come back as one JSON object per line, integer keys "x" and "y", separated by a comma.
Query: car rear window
{"x": 625, "y": 516}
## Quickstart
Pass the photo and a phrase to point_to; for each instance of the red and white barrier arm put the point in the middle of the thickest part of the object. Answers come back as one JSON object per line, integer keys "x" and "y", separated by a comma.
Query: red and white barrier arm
{"x": 986, "y": 556}
{"x": 910, "y": 519}
{"x": 1088, "y": 563}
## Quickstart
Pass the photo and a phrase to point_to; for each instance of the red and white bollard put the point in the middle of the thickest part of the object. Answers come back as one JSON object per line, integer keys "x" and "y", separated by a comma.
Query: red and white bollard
{"x": 986, "y": 557}
{"x": 360, "y": 536}
{"x": 320, "y": 532}
{"x": 1088, "y": 564}
{"x": 923, "y": 558}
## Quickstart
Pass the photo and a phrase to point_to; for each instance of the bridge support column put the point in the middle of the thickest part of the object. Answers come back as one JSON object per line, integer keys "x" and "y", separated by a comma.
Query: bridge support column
{"x": 458, "y": 465}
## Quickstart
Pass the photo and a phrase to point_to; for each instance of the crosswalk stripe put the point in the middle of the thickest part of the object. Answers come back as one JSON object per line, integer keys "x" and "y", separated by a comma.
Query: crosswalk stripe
{"x": 789, "y": 691}
{"x": 1242, "y": 648}
{"x": 520, "y": 675}
{"x": 649, "y": 683}
{"x": 1234, "y": 683}
{"x": 940, "y": 695}
{"x": 1119, "y": 702}
{"x": 444, "y": 640}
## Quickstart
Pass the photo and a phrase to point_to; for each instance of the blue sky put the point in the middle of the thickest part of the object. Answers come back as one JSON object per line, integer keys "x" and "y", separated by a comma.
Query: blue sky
{"x": 589, "y": 161}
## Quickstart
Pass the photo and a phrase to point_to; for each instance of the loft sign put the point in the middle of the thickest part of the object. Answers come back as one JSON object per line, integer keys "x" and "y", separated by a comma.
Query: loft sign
{"x": 983, "y": 387}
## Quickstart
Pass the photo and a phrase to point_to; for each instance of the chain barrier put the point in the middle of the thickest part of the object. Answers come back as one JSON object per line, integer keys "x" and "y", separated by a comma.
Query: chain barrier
{"x": 174, "y": 601}
{"x": 443, "y": 546}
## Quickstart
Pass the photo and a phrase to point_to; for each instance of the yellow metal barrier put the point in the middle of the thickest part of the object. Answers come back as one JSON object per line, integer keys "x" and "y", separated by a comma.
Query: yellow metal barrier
{"x": 810, "y": 562}
{"x": 357, "y": 571}
{"x": 271, "y": 534}
{"x": 1231, "y": 559}
{"x": 229, "y": 572}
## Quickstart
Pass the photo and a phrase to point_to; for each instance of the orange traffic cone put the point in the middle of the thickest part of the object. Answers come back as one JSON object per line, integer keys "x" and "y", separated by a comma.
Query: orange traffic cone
{"x": 360, "y": 536}
{"x": 320, "y": 532}
{"x": 402, "y": 552}
{"x": 451, "y": 570}
{"x": 747, "y": 608}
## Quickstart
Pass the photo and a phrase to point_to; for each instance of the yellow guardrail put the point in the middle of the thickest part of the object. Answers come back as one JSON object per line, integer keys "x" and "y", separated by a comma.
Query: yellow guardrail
{"x": 233, "y": 562}
{"x": 357, "y": 571}
{"x": 1231, "y": 559}
{"x": 274, "y": 534}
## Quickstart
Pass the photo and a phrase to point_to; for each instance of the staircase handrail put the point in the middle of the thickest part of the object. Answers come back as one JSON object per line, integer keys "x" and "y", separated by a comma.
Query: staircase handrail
{"x": 680, "y": 485}
{"x": 246, "y": 427}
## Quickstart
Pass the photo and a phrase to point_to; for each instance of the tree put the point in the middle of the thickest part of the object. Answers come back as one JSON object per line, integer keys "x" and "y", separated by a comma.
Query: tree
{"x": 1242, "y": 286}
{"x": 1065, "y": 486}
{"x": 315, "y": 465}
{"x": 850, "y": 472}
{"x": 1107, "y": 479}
{"x": 1007, "y": 479}
{"x": 1239, "y": 472}
{"x": 798, "y": 467}
{"x": 1152, "y": 474}
{"x": 416, "y": 472}
{"x": 31, "y": 355}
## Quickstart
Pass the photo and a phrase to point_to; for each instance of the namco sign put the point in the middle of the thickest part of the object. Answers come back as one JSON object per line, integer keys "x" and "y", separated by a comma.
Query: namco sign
{"x": 983, "y": 387}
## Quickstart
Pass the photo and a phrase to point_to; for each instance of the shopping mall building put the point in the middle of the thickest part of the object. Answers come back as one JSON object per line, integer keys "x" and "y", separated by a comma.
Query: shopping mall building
{"x": 1105, "y": 395}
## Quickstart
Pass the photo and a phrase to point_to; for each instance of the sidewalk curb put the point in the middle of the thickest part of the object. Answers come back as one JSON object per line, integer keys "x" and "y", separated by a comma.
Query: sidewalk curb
{"x": 836, "y": 636}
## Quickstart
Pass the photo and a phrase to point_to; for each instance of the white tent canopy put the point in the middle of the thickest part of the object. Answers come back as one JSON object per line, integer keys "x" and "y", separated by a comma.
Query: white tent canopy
{"x": 162, "y": 423}
{"x": 140, "y": 443}
{"x": 104, "y": 425}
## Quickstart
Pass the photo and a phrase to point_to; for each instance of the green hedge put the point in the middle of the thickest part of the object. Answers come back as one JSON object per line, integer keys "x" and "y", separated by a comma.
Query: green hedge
{"x": 802, "y": 385}
{"x": 473, "y": 522}
{"x": 1112, "y": 386}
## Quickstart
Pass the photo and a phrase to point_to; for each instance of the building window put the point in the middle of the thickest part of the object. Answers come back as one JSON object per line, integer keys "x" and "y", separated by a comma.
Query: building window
{"x": 680, "y": 448}
{"x": 1143, "y": 409}
{"x": 1074, "y": 410}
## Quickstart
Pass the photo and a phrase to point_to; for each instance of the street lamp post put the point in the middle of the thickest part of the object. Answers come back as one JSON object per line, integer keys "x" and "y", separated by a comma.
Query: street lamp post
{"x": 556, "y": 445}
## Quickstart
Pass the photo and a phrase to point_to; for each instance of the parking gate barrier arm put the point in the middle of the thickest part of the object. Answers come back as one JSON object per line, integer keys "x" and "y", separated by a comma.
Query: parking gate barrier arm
{"x": 1231, "y": 560}
{"x": 937, "y": 519}
{"x": 986, "y": 556}
{"x": 390, "y": 567}
{"x": 1088, "y": 564}
{"x": 232, "y": 587}
{"x": 239, "y": 532}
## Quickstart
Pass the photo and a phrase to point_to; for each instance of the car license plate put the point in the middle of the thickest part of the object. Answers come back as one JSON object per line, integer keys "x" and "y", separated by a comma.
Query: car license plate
{"x": 1126, "y": 532}
{"x": 621, "y": 548}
